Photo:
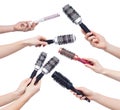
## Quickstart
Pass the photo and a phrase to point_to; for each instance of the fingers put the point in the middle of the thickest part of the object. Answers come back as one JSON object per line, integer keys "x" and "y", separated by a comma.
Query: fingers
{"x": 34, "y": 25}
{"x": 25, "y": 82}
{"x": 33, "y": 82}
{"x": 91, "y": 37}
{"x": 25, "y": 26}
{"x": 42, "y": 41}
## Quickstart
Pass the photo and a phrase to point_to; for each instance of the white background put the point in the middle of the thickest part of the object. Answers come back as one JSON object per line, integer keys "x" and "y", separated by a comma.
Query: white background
{"x": 101, "y": 16}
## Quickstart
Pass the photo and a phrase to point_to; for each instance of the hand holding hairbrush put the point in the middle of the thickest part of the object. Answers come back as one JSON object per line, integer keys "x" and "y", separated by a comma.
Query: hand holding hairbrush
{"x": 75, "y": 17}
{"x": 73, "y": 56}
{"x": 65, "y": 82}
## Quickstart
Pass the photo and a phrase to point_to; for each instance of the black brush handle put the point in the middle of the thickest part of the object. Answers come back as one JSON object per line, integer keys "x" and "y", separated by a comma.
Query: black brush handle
{"x": 33, "y": 74}
{"x": 49, "y": 41}
{"x": 84, "y": 27}
{"x": 39, "y": 77}
{"x": 80, "y": 93}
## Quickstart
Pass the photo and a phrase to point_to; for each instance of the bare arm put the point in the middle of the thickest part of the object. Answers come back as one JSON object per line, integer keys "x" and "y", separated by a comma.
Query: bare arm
{"x": 7, "y": 98}
{"x": 30, "y": 91}
{"x": 98, "y": 68}
{"x": 113, "y": 50}
{"x": 20, "y": 26}
{"x": 8, "y": 49}
{"x": 111, "y": 103}
{"x": 7, "y": 28}
{"x": 98, "y": 41}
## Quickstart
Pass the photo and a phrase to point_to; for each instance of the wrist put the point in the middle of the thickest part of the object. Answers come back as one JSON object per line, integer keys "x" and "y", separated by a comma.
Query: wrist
{"x": 104, "y": 71}
{"x": 107, "y": 47}
{"x": 94, "y": 97}
{"x": 29, "y": 95}
{"x": 16, "y": 94}
{"x": 11, "y": 28}
{"x": 25, "y": 42}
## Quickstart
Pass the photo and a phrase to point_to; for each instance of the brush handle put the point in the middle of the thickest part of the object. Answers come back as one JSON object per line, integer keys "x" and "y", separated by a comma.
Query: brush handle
{"x": 84, "y": 61}
{"x": 80, "y": 93}
{"x": 33, "y": 74}
{"x": 39, "y": 77}
{"x": 49, "y": 41}
{"x": 84, "y": 27}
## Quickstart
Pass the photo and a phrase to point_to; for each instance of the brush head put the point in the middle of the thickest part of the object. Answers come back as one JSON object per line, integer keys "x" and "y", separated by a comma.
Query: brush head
{"x": 72, "y": 14}
{"x": 66, "y": 53}
{"x": 62, "y": 80}
{"x": 65, "y": 39}
{"x": 50, "y": 65}
{"x": 41, "y": 60}
{"x": 47, "y": 18}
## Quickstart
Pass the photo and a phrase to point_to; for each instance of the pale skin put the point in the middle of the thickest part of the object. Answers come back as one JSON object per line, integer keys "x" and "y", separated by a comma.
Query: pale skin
{"x": 7, "y": 98}
{"x": 98, "y": 41}
{"x": 98, "y": 68}
{"x": 24, "y": 26}
{"x": 111, "y": 103}
{"x": 8, "y": 49}
{"x": 24, "y": 92}
{"x": 20, "y": 26}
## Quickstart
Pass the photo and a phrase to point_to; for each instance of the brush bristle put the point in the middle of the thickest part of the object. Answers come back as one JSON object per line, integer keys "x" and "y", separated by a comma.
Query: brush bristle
{"x": 50, "y": 65}
{"x": 66, "y": 53}
{"x": 71, "y": 13}
{"x": 41, "y": 59}
{"x": 65, "y": 39}
{"x": 62, "y": 80}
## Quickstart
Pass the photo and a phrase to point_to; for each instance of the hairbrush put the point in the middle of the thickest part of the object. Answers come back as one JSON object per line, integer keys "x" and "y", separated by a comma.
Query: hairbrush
{"x": 75, "y": 17}
{"x": 38, "y": 64}
{"x": 47, "y": 68}
{"x": 73, "y": 56}
{"x": 65, "y": 82}
{"x": 62, "y": 39}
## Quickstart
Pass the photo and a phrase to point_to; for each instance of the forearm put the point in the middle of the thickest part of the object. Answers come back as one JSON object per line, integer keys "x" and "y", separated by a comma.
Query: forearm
{"x": 113, "y": 50}
{"x": 17, "y": 104}
{"x": 111, "y": 103}
{"x": 7, "y": 98}
{"x": 111, "y": 73}
{"x": 8, "y": 49}
{"x": 7, "y": 28}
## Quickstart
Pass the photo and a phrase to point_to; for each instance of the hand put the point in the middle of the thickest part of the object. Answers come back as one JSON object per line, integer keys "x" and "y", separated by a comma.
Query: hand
{"x": 32, "y": 88}
{"x": 96, "y": 40}
{"x": 22, "y": 87}
{"x": 97, "y": 67}
{"x": 24, "y": 26}
{"x": 37, "y": 41}
{"x": 88, "y": 93}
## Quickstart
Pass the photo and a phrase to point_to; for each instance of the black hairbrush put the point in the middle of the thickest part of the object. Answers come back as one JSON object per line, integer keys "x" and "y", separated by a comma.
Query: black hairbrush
{"x": 74, "y": 17}
{"x": 63, "y": 81}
